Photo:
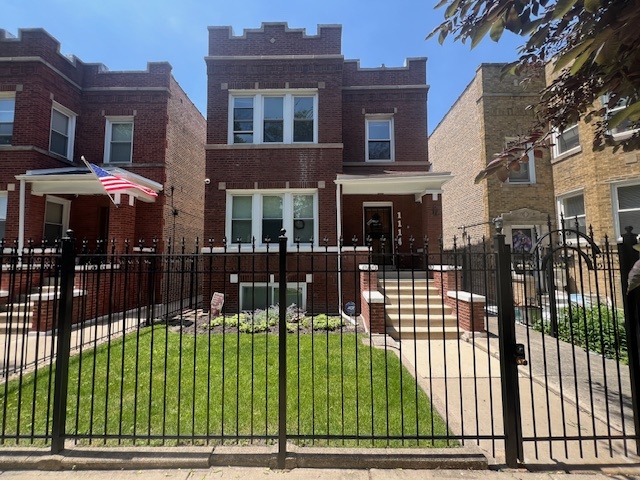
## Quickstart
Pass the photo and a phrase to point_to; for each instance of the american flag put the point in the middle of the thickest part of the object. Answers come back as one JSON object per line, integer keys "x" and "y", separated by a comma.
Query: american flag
{"x": 112, "y": 183}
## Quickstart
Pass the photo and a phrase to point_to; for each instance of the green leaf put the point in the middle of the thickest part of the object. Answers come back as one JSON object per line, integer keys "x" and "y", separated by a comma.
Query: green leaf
{"x": 440, "y": 4}
{"x": 580, "y": 61}
{"x": 478, "y": 33}
{"x": 571, "y": 55}
{"x": 562, "y": 7}
{"x": 539, "y": 37}
{"x": 592, "y": 6}
{"x": 497, "y": 29}
{"x": 442, "y": 36}
{"x": 451, "y": 9}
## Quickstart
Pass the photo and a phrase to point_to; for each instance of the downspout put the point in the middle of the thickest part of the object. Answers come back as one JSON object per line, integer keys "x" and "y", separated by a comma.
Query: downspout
{"x": 339, "y": 232}
{"x": 21, "y": 215}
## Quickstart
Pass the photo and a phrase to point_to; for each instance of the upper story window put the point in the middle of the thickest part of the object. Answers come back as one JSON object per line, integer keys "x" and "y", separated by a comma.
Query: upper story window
{"x": 625, "y": 128}
{"x": 7, "y": 111}
{"x": 4, "y": 197}
{"x": 379, "y": 141}
{"x": 571, "y": 207}
{"x": 262, "y": 215}
{"x": 118, "y": 146}
{"x": 527, "y": 170}
{"x": 566, "y": 141}
{"x": 63, "y": 125}
{"x": 273, "y": 117}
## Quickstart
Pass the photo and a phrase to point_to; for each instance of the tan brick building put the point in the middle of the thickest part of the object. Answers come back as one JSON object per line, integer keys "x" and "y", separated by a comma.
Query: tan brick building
{"x": 490, "y": 113}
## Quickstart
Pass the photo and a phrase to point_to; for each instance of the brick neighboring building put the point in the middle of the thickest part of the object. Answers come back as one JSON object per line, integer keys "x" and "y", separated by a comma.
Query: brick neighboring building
{"x": 600, "y": 189}
{"x": 138, "y": 124}
{"x": 300, "y": 138}
{"x": 484, "y": 119}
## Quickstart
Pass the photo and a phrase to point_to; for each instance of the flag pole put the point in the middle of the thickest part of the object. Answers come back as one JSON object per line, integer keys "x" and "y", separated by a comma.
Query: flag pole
{"x": 95, "y": 175}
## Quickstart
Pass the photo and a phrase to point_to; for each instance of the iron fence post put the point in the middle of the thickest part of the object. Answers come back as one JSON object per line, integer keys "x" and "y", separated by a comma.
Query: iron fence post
{"x": 282, "y": 343}
{"x": 507, "y": 347}
{"x": 63, "y": 349}
{"x": 631, "y": 302}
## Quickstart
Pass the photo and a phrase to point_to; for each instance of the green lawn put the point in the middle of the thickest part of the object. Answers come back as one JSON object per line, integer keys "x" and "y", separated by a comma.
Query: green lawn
{"x": 228, "y": 385}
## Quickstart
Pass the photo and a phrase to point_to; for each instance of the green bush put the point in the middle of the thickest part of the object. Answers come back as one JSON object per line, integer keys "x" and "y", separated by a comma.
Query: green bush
{"x": 324, "y": 322}
{"x": 596, "y": 328}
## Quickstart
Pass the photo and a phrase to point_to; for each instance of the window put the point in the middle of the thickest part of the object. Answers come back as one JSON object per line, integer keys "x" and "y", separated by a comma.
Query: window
{"x": 571, "y": 207}
{"x": 262, "y": 216}
{"x": 3, "y": 214}
{"x": 527, "y": 170}
{"x": 56, "y": 219}
{"x": 270, "y": 117}
{"x": 522, "y": 239}
{"x": 63, "y": 124}
{"x": 566, "y": 141}
{"x": 262, "y": 295}
{"x": 118, "y": 140}
{"x": 379, "y": 139}
{"x": 626, "y": 207}
{"x": 623, "y": 129}
{"x": 7, "y": 111}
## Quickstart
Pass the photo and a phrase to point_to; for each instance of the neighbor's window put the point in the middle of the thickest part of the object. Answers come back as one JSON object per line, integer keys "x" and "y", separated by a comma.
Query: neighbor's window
{"x": 56, "y": 219}
{"x": 379, "y": 139}
{"x": 7, "y": 112}
{"x": 627, "y": 207}
{"x": 527, "y": 170}
{"x": 566, "y": 141}
{"x": 263, "y": 215}
{"x": 625, "y": 128}
{"x": 119, "y": 140}
{"x": 63, "y": 123}
{"x": 571, "y": 207}
{"x": 3, "y": 213}
{"x": 273, "y": 117}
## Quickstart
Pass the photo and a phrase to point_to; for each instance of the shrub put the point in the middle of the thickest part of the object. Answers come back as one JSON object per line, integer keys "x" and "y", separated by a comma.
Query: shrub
{"x": 324, "y": 322}
{"x": 597, "y": 328}
{"x": 231, "y": 321}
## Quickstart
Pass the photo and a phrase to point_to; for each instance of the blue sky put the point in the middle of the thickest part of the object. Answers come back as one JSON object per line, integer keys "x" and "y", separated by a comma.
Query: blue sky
{"x": 125, "y": 35}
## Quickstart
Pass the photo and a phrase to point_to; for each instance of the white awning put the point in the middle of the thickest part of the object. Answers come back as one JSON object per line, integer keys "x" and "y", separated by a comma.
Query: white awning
{"x": 79, "y": 181}
{"x": 394, "y": 183}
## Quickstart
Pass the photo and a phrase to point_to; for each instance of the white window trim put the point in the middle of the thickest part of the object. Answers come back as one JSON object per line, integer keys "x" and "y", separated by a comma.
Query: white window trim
{"x": 10, "y": 96}
{"x": 531, "y": 163}
{"x": 569, "y": 222}
{"x": 509, "y": 229}
{"x": 66, "y": 204}
{"x": 258, "y": 114}
{"x": 618, "y": 229}
{"x": 620, "y": 135}
{"x": 556, "y": 134}
{"x": 108, "y": 133}
{"x": 296, "y": 285}
{"x": 72, "y": 129}
{"x": 379, "y": 118}
{"x": 256, "y": 217}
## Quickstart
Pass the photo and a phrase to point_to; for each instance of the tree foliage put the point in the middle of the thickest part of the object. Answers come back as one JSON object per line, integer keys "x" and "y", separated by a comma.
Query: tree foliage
{"x": 594, "y": 47}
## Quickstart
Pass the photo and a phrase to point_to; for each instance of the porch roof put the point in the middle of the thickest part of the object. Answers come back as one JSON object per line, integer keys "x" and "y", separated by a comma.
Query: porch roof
{"x": 80, "y": 181}
{"x": 394, "y": 183}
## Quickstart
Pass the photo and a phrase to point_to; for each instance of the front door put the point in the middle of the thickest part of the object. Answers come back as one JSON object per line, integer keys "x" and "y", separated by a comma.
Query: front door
{"x": 378, "y": 227}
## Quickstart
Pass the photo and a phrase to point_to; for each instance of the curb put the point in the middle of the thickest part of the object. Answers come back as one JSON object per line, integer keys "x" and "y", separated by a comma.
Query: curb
{"x": 147, "y": 458}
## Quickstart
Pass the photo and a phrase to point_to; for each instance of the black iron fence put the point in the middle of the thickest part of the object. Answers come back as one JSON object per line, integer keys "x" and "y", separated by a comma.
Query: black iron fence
{"x": 526, "y": 354}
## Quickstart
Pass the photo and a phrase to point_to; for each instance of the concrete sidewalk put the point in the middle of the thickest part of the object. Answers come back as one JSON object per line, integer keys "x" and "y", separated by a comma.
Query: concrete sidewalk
{"x": 246, "y": 473}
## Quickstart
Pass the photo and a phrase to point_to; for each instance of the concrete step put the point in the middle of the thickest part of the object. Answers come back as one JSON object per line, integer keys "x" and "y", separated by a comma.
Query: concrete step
{"x": 16, "y": 308}
{"x": 402, "y": 274}
{"x": 15, "y": 324}
{"x": 422, "y": 333}
{"x": 433, "y": 321}
{"x": 410, "y": 300}
{"x": 418, "y": 308}
{"x": 409, "y": 290}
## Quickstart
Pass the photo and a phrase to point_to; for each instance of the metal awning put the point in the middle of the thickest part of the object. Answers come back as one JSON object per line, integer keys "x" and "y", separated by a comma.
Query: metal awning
{"x": 394, "y": 183}
{"x": 79, "y": 181}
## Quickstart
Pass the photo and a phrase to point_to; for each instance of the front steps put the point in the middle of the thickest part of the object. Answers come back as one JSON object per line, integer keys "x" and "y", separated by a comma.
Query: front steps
{"x": 414, "y": 310}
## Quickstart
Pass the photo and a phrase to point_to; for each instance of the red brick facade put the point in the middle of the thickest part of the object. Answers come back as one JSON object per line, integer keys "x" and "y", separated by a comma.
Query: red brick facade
{"x": 275, "y": 60}
{"x": 168, "y": 138}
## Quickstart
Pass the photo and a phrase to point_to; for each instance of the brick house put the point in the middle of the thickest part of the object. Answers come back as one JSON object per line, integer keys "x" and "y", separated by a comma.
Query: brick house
{"x": 139, "y": 125}
{"x": 600, "y": 189}
{"x": 490, "y": 113}
{"x": 302, "y": 139}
